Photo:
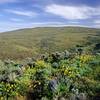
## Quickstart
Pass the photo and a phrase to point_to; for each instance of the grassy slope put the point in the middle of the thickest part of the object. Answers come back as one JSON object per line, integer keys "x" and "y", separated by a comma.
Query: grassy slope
{"x": 28, "y": 42}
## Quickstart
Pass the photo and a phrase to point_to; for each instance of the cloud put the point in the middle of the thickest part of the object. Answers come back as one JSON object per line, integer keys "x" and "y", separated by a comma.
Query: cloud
{"x": 22, "y": 13}
{"x": 7, "y": 1}
{"x": 73, "y": 22}
{"x": 97, "y": 21}
{"x": 48, "y": 23}
{"x": 21, "y": 25}
{"x": 16, "y": 20}
{"x": 96, "y": 26}
{"x": 72, "y": 12}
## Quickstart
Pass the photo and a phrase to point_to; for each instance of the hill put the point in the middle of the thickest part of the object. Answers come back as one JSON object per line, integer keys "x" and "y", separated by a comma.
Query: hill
{"x": 24, "y": 43}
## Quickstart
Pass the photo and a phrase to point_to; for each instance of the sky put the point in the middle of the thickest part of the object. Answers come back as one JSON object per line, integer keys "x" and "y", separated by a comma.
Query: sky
{"x": 18, "y": 14}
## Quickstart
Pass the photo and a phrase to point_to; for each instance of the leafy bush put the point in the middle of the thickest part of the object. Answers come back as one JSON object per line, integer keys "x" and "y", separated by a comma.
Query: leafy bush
{"x": 48, "y": 79}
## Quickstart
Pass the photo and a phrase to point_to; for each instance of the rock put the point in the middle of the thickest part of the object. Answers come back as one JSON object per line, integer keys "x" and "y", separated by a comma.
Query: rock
{"x": 79, "y": 51}
{"x": 66, "y": 54}
{"x": 52, "y": 85}
{"x": 55, "y": 65}
{"x": 72, "y": 97}
{"x": 55, "y": 57}
{"x": 30, "y": 62}
{"x": 61, "y": 98}
{"x": 44, "y": 98}
{"x": 82, "y": 96}
{"x": 97, "y": 46}
{"x": 97, "y": 97}
{"x": 44, "y": 57}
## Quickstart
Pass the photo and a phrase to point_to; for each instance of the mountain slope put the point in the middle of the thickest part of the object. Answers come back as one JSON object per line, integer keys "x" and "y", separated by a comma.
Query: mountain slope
{"x": 28, "y": 42}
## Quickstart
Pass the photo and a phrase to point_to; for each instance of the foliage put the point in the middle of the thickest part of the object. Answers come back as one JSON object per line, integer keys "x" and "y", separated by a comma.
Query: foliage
{"x": 47, "y": 79}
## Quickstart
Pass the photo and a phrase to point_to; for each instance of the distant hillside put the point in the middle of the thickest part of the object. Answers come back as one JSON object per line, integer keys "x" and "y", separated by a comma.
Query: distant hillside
{"x": 28, "y": 42}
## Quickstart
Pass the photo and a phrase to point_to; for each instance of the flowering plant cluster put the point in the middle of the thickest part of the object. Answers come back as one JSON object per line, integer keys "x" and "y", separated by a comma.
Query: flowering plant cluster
{"x": 51, "y": 76}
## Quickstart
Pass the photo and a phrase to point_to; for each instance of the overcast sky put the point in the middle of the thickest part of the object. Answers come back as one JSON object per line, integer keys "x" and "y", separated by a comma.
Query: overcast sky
{"x": 15, "y": 14}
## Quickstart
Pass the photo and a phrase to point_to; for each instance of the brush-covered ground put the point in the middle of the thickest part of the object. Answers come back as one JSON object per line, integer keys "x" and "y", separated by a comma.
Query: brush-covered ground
{"x": 60, "y": 76}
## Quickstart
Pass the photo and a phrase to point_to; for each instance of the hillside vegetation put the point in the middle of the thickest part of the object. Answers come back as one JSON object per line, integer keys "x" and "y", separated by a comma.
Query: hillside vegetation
{"x": 55, "y": 64}
{"x": 60, "y": 76}
{"x": 24, "y": 43}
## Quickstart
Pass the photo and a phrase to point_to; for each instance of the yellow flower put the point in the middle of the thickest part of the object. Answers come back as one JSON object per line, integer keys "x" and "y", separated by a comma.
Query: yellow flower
{"x": 12, "y": 85}
{"x": 41, "y": 64}
{"x": 1, "y": 98}
{"x": 39, "y": 83}
{"x": 16, "y": 93}
{"x": 7, "y": 90}
{"x": 34, "y": 86}
{"x": 85, "y": 58}
{"x": 66, "y": 72}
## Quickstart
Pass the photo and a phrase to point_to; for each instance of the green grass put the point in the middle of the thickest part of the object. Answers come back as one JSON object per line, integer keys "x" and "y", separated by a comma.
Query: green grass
{"x": 24, "y": 43}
